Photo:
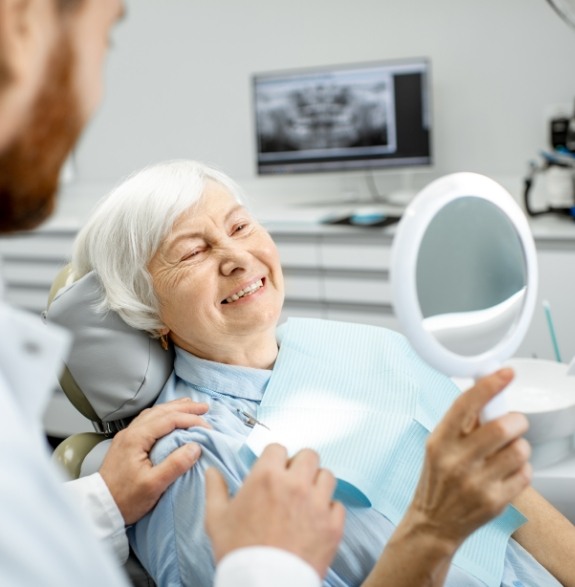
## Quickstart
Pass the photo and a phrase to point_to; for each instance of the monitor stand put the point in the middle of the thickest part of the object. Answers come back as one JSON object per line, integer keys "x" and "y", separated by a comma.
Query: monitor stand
{"x": 401, "y": 197}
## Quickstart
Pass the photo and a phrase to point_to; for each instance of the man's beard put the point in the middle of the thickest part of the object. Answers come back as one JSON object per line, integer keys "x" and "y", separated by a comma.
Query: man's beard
{"x": 30, "y": 166}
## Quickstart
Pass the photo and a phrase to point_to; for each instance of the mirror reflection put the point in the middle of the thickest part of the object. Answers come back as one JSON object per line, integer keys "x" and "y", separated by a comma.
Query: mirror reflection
{"x": 471, "y": 276}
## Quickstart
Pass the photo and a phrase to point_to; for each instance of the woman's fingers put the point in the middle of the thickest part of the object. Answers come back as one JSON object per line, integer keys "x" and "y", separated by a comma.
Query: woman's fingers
{"x": 509, "y": 460}
{"x": 493, "y": 436}
{"x": 463, "y": 416}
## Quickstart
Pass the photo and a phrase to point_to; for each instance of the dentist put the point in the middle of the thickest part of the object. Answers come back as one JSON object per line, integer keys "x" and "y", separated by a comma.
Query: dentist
{"x": 51, "y": 60}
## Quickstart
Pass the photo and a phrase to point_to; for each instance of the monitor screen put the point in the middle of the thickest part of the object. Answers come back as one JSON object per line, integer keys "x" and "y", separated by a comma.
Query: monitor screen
{"x": 337, "y": 118}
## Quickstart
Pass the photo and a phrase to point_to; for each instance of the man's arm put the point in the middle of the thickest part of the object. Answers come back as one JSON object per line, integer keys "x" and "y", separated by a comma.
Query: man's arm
{"x": 284, "y": 504}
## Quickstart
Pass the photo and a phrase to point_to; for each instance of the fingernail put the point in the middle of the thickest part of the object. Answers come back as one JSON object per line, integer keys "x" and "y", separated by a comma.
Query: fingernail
{"x": 194, "y": 450}
{"x": 506, "y": 373}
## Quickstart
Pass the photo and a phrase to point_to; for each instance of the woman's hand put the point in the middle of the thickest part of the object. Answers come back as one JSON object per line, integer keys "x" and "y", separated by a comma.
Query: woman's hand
{"x": 136, "y": 484}
{"x": 471, "y": 472}
{"x": 285, "y": 503}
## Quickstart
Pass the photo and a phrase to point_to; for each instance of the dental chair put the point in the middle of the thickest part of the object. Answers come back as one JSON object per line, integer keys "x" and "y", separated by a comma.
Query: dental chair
{"x": 113, "y": 372}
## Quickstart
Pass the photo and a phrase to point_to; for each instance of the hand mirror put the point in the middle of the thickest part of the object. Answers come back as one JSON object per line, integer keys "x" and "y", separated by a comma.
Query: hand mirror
{"x": 464, "y": 277}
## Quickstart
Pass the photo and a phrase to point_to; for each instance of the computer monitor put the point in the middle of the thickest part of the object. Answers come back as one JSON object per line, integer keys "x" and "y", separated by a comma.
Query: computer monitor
{"x": 362, "y": 116}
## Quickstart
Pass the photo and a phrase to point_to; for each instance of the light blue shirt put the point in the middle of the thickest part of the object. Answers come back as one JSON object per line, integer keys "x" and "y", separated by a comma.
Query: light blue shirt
{"x": 171, "y": 541}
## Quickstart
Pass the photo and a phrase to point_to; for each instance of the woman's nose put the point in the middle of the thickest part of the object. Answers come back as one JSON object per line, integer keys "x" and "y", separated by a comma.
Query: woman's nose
{"x": 234, "y": 259}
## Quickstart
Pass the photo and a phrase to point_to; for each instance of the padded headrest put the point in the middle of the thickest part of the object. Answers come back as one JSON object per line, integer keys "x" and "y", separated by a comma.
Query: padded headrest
{"x": 119, "y": 370}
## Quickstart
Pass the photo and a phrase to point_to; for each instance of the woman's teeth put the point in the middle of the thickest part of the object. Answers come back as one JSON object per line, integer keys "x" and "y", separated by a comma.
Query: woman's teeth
{"x": 250, "y": 289}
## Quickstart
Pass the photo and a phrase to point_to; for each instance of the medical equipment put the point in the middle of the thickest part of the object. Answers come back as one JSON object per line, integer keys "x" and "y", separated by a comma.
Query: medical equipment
{"x": 559, "y": 169}
{"x": 249, "y": 419}
{"x": 340, "y": 118}
{"x": 551, "y": 326}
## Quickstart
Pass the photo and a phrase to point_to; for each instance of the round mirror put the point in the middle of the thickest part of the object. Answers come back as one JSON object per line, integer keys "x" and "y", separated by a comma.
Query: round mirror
{"x": 464, "y": 275}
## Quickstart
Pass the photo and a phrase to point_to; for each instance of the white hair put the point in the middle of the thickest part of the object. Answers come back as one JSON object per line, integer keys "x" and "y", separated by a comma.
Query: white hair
{"x": 128, "y": 227}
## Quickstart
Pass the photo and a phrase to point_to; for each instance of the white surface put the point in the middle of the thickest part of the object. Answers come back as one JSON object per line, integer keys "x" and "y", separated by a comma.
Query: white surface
{"x": 545, "y": 393}
{"x": 541, "y": 386}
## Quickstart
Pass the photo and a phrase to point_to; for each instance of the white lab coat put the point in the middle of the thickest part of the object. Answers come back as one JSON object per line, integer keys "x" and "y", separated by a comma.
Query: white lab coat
{"x": 45, "y": 538}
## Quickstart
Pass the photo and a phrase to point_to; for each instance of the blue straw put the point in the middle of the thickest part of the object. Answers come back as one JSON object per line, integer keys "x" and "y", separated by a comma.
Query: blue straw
{"x": 547, "y": 309}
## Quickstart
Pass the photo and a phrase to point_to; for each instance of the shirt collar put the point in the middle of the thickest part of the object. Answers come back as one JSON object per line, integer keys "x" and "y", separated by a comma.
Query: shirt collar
{"x": 217, "y": 378}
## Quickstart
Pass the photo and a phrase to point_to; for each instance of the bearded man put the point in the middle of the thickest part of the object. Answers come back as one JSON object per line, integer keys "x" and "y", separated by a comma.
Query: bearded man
{"x": 51, "y": 61}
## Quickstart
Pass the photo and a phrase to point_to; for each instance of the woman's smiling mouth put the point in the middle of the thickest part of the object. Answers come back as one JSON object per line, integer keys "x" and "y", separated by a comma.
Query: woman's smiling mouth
{"x": 242, "y": 293}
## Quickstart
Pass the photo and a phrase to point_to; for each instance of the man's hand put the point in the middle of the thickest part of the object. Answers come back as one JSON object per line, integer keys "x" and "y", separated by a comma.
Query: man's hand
{"x": 136, "y": 484}
{"x": 285, "y": 503}
{"x": 472, "y": 471}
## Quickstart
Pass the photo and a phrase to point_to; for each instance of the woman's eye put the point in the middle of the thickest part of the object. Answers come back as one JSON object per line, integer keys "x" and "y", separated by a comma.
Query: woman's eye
{"x": 191, "y": 254}
{"x": 241, "y": 227}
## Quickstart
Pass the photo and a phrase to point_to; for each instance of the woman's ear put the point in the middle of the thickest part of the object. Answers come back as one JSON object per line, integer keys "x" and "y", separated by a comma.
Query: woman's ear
{"x": 164, "y": 338}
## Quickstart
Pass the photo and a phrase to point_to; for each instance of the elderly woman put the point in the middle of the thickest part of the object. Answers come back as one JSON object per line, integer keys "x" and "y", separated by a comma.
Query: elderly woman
{"x": 180, "y": 256}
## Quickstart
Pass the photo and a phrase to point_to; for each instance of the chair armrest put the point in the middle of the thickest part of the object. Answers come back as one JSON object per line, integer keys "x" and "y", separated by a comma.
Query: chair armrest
{"x": 70, "y": 453}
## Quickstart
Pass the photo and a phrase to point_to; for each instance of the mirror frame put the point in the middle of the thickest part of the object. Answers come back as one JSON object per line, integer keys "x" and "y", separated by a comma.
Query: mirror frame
{"x": 403, "y": 271}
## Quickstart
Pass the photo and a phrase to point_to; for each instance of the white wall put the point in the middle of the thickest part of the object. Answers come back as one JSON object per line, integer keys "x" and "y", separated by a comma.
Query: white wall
{"x": 178, "y": 81}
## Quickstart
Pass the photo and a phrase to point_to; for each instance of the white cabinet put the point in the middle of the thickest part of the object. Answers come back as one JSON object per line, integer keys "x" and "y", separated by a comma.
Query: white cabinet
{"x": 29, "y": 264}
{"x": 340, "y": 273}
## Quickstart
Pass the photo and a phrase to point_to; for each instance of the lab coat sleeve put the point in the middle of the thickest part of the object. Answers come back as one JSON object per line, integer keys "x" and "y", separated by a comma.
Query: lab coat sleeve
{"x": 262, "y": 566}
{"x": 94, "y": 497}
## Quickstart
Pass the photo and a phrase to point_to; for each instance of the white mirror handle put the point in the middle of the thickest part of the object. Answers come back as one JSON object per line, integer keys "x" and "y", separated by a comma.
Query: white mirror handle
{"x": 497, "y": 407}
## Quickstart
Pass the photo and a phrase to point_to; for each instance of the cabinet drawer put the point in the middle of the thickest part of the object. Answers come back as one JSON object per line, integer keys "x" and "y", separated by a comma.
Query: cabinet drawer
{"x": 302, "y": 286}
{"x": 298, "y": 253}
{"x": 305, "y": 309}
{"x": 375, "y": 316}
{"x": 30, "y": 273}
{"x": 27, "y": 298}
{"x": 375, "y": 257}
{"x": 357, "y": 289}
{"x": 37, "y": 247}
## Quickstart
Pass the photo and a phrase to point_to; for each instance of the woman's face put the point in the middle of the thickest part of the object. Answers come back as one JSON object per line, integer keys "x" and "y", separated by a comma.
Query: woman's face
{"x": 218, "y": 279}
